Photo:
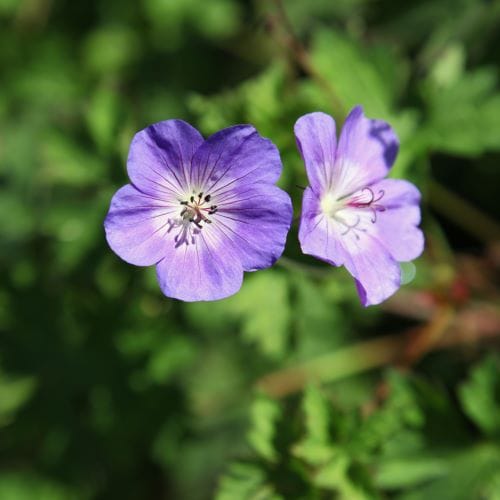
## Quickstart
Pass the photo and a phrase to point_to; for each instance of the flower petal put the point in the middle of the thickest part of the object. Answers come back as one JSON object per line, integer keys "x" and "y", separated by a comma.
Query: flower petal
{"x": 396, "y": 227}
{"x": 348, "y": 240}
{"x": 159, "y": 160}
{"x": 204, "y": 271}
{"x": 317, "y": 142}
{"x": 255, "y": 223}
{"x": 366, "y": 151}
{"x": 236, "y": 156}
{"x": 376, "y": 273}
{"x": 136, "y": 226}
{"x": 318, "y": 234}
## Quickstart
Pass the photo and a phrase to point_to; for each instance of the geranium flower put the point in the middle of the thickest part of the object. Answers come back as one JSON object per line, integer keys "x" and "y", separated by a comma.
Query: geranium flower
{"x": 351, "y": 215}
{"x": 202, "y": 211}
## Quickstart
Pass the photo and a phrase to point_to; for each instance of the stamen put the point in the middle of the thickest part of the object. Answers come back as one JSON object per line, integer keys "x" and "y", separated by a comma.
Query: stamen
{"x": 371, "y": 204}
{"x": 193, "y": 213}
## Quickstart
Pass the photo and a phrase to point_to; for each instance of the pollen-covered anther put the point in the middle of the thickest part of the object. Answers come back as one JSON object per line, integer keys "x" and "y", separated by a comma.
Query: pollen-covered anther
{"x": 196, "y": 209}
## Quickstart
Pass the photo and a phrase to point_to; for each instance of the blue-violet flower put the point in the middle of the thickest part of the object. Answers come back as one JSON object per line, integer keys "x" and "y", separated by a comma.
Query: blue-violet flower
{"x": 203, "y": 211}
{"x": 351, "y": 215}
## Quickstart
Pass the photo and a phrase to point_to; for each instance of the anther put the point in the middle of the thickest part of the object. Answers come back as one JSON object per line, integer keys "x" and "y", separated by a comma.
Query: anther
{"x": 192, "y": 199}
{"x": 184, "y": 202}
{"x": 207, "y": 198}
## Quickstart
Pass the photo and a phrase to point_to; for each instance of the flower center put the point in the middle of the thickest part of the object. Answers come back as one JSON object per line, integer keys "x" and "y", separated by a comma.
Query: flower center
{"x": 194, "y": 213}
{"x": 362, "y": 200}
{"x": 366, "y": 198}
{"x": 196, "y": 210}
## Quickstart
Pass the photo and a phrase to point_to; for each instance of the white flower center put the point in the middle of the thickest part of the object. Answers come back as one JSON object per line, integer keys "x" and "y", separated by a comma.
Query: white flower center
{"x": 359, "y": 208}
{"x": 194, "y": 213}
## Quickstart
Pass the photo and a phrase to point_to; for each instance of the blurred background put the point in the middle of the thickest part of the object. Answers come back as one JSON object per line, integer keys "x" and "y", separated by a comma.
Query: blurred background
{"x": 289, "y": 389}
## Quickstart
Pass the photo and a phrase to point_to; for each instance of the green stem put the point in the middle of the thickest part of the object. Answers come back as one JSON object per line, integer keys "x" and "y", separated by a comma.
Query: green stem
{"x": 304, "y": 61}
{"x": 463, "y": 213}
{"x": 336, "y": 365}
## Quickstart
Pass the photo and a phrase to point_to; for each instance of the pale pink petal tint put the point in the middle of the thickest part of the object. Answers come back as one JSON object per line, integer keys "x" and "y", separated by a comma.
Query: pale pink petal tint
{"x": 351, "y": 215}
{"x": 202, "y": 211}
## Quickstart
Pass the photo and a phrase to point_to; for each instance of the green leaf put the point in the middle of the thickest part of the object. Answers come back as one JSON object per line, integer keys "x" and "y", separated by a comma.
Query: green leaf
{"x": 316, "y": 447}
{"x": 390, "y": 428}
{"x": 102, "y": 117}
{"x": 111, "y": 49}
{"x": 470, "y": 475}
{"x": 264, "y": 415}
{"x": 352, "y": 72}
{"x": 14, "y": 393}
{"x": 480, "y": 395}
{"x": 318, "y": 320}
{"x": 245, "y": 482}
{"x": 335, "y": 476}
{"x": 17, "y": 486}
{"x": 172, "y": 355}
{"x": 66, "y": 163}
{"x": 258, "y": 100}
{"x": 264, "y": 305}
{"x": 405, "y": 472}
{"x": 464, "y": 115}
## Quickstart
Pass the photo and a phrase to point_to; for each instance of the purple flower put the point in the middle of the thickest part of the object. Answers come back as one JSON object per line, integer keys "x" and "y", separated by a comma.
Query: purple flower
{"x": 203, "y": 211}
{"x": 351, "y": 215}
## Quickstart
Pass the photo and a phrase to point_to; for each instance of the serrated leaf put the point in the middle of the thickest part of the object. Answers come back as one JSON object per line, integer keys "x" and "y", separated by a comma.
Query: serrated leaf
{"x": 264, "y": 415}
{"x": 404, "y": 472}
{"x": 470, "y": 474}
{"x": 464, "y": 116}
{"x": 399, "y": 415}
{"x": 245, "y": 482}
{"x": 266, "y": 309}
{"x": 262, "y": 307}
{"x": 335, "y": 476}
{"x": 480, "y": 395}
{"x": 352, "y": 72}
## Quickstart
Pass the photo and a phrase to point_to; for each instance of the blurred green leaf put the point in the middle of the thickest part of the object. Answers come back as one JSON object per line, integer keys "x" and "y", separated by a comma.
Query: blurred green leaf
{"x": 264, "y": 306}
{"x": 66, "y": 163}
{"x": 389, "y": 428}
{"x": 480, "y": 395}
{"x": 470, "y": 474}
{"x": 264, "y": 414}
{"x": 102, "y": 117}
{"x": 15, "y": 486}
{"x": 404, "y": 472}
{"x": 245, "y": 482}
{"x": 14, "y": 393}
{"x": 110, "y": 49}
{"x": 315, "y": 448}
{"x": 464, "y": 115}
{"x": 354, "y": 73}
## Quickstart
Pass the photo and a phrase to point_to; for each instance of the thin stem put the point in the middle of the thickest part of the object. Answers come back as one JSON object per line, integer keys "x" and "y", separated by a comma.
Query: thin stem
{"x": 294, "y": 45}
{"x": 480, "y": 321}
{"x": 334, "y": 366}
{"x": 462, "y": 213}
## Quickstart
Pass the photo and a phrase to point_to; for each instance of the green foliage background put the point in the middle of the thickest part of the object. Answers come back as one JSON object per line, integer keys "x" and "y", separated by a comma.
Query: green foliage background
{"x": 110, "y": 390}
